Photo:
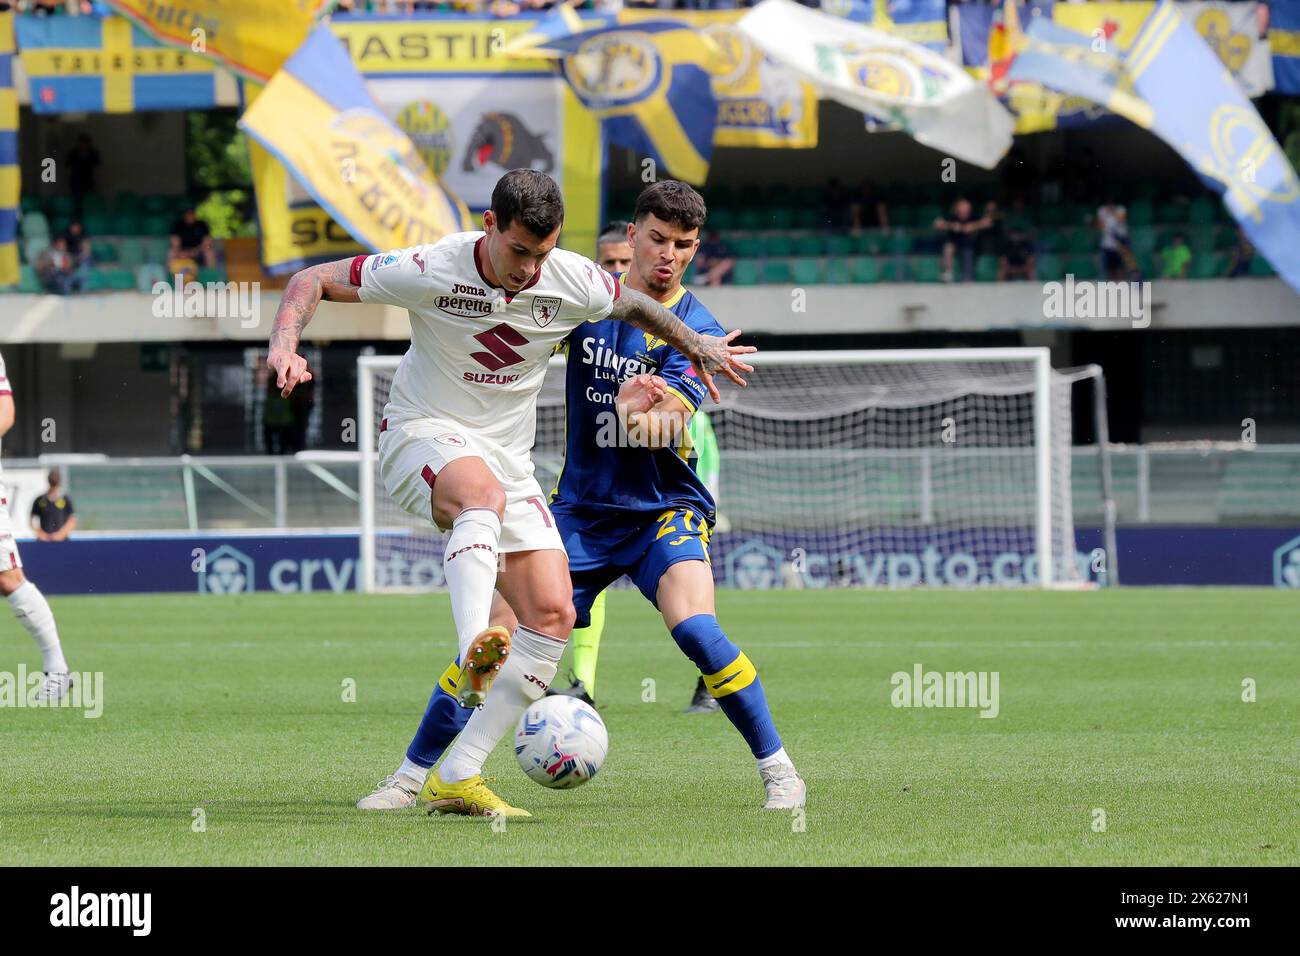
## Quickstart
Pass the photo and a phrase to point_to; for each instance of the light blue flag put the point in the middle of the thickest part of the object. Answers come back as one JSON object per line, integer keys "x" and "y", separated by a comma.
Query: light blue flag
{"x": 1064, "y": 60}
{"x": 1199, "y": 110}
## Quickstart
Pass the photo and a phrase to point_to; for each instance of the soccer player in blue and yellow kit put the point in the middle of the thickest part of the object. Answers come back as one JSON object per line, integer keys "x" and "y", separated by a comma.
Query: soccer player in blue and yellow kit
{"x": 628, "y": 500}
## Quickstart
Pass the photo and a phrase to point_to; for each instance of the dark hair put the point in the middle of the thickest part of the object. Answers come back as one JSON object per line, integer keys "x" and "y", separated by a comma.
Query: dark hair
{"x": 614, "y": 231}
{"x": 528, "y": 197}
{"x": 672, "y": 202}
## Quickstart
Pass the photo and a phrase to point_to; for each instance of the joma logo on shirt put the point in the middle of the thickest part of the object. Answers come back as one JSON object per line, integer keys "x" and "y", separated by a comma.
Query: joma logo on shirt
{"x": 461, "y": 289}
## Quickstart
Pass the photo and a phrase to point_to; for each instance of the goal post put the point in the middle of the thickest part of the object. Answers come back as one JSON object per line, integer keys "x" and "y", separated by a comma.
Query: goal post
{"x": 876, "y": 468}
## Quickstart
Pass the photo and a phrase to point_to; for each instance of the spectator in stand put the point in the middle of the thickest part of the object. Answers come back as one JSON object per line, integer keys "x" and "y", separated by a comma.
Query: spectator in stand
{"x": 82, "y": 163}
{"x": 1243, "y": 254}
{"x": 56, "y": 270}
{"x": 1116, "y": 257}
{"x": 1017, "y": 254}
{"x": 613, "y": 251}
{"x": 868, "y": 210}
{"x": 1176, "y": 259}
{"x": 344, "y": 7}
{"x": 714, "y": 260}
{"x": 961, "y": 233}
{"x": 53, "y": 517}
{"x": 191, "y": 246}
{"x": 79, "y": 249}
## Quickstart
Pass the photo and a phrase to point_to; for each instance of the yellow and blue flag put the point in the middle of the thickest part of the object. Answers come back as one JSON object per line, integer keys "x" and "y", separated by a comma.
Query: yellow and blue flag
{"x": 1066, "y": 61}
{"x": 318, "y": 119}
{"x": 1199, "y": 110}
{"x": 92, "y": 64}
{"x": 1284, "y": 42}
{"x": 648, "y": 80}
{"x": 252, "y": 37}
{"x": 9, "y": 178}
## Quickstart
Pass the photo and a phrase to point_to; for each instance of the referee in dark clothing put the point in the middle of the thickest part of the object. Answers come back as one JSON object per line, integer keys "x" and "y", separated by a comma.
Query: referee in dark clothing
{"x": 53, "y": 517}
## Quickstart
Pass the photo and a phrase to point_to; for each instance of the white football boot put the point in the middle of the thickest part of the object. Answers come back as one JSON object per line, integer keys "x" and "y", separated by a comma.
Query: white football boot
{"x": 55, "y": 686}
{"x": 391, "y": 793}
{"x": 785, "y": 788}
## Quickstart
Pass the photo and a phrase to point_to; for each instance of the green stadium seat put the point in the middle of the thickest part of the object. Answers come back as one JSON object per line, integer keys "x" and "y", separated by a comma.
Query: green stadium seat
{"x": 1143, "y": 239}
{"x": 1146, "y": 191}
{"x": 59, "y": 225}
{"x": 899, "y": 243}
{"x": 750, "y": 220}
{"x": 902, "y": 216}
{"x": 147, "y": 274}
{"x": 1149, "y": 264}
{"x": 155, "y": 205}
{"x": 94, "y": 281}
{"x": 1201, "y": 238}
{"x": 778, "y": 246}
{"x": 808, "y": 217}
{"x": 986, "y": 269}
{"x": 1208, "y": 265}
{"x": 811, "y": 245}
{"x": 1054, "y": 214}
{"x": 124, "y": 224}
{"x": 1053, "y": 240}
{"x": 126, "y": 203}
{"x": 780, "y": 217}
{"x": 117, "y": 279}
{"x": 212, "y": 274}
{"x": 746, "y": 247}
{"x": 155, "y": 250}
{"x": 62, "y": 206}
{"x": 97, "y": 224}
{"x": 928, "y": 269}
{"x": 865, "y": 271}
{"x": 808, "y": 196}
{"x": 1201, "y": 211}
{"x": 746, "y": 272}
{"x": 869, "y": 243}
{"x": 131, "y": 252}
{"x": 1141, "y": 213}
{"x": 1225, "y": 238}
{"x": 29, "y": 203}
{"x": 839, "y": 246}
{"x": 1081, "y": 242}
{"x": 807, "y": 271}
{"x": 34, "y": 225}
{"x": 776, "y": 272}
{"x": 94, "y": 204}
{"x": 103, "y": 251}
{"x": 155, "y": 226}
{"x": 1082, "y": 267}
{"x": 1259, "y": 267}
{"x": 893, "y": 270}
{"x": 1171, "y": 213}
{"x": 27, "y": 280}
{"x": 33, "y": 247}
{"x": 926, "y": 215}
{"x": 837, "y": 272}
{"x": 722, "y": 218}
{"x": 1051, "y": 268}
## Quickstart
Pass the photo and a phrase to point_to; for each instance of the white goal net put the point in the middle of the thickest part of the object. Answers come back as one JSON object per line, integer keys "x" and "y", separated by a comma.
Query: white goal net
{"x": 892, "y": 468}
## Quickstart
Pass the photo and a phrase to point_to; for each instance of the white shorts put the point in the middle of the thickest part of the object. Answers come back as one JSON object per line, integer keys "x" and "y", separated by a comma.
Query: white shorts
{"x": 413, "y": 451}
{"x": 9, "y": 559}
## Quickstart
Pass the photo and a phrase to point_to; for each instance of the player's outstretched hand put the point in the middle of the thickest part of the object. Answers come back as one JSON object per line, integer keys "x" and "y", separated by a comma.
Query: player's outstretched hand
{"x": 640, "y": 393}
{"x": 290, "y": 369}
{"x": 719, "y": 355}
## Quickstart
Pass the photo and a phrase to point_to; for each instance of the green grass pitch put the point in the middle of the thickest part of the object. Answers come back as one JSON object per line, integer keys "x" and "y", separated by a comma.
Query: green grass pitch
{"x": 1128, "y": 701}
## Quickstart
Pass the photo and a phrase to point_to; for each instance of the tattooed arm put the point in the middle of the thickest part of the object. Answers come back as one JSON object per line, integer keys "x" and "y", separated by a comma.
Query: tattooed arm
{"x": 708, "y": 353}
{"x": 298, "y": 304}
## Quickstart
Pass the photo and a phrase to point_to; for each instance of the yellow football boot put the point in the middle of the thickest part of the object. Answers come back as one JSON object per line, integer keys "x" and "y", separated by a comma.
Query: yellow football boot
{"x": 471, "y": 798}
{"x": 482, "y": 664}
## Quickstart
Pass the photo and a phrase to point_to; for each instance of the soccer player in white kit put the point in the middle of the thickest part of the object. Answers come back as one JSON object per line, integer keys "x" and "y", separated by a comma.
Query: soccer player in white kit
{"x": 28, "y": 603}
{"x": 487, "y": 309}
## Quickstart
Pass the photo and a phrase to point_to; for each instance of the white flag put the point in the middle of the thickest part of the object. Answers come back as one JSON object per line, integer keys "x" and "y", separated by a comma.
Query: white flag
{"x": 897, "y": 82}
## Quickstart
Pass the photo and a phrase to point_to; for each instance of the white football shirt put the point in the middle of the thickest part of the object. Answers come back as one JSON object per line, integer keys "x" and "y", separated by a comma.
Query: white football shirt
{"x": 478, "y": 354}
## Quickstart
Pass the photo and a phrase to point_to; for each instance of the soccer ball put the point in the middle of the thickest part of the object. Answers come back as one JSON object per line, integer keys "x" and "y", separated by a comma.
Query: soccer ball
{"x": 560, "y": 742}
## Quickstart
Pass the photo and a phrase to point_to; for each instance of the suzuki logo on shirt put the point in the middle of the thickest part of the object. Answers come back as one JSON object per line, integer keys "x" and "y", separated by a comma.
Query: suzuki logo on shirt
{"x": 498, "y": 341}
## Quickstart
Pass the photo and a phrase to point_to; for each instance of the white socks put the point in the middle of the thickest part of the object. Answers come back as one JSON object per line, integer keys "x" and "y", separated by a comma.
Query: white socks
{"x": 33, "y": 612}
{"x": 524, "y": 677}
{"x": 771, "y": 761}
{"x": 470, "y": 565}
{"x": 412, "y": 773}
